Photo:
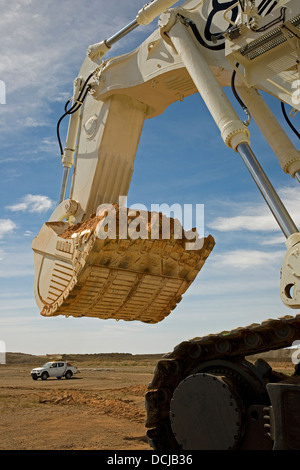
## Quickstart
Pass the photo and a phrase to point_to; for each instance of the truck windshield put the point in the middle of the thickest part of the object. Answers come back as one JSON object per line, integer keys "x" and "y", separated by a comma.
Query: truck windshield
{"x": 47, "y": 364}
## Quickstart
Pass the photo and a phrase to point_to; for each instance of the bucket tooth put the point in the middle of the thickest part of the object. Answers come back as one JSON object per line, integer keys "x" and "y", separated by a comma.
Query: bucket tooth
{"x": 78, "y": 272}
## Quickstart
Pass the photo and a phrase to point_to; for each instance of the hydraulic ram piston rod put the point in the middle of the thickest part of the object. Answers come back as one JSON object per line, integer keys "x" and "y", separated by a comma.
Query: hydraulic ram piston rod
{"x": 145, "y": 16}
{"x": 116, "y": 37}
{"x": 64, "y": 184}
{"x": 275, "y": 204}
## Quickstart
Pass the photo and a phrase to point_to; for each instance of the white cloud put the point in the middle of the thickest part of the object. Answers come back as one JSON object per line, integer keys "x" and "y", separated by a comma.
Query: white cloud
{"x": 39, "y": 61}
{"x": 31, "y": 122}
{"x": 244, "y": 222}
{"x": 275, "y": 240}
{"x": 6, "y": 226}
{"x": 28, "y": 233}
{"x": 61, "y": 97}
{"x": 248, "y": 258}
{"x": 32, "y": 203}
{"x": 50, "y": 145}
{"x": 257, "y": 217}
{"x": 16, "y": 261}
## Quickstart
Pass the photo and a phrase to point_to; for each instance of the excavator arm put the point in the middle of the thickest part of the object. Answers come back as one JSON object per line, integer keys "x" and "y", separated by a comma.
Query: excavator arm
{"x": 111, "y": 100}
{"x": 95, "y": 257}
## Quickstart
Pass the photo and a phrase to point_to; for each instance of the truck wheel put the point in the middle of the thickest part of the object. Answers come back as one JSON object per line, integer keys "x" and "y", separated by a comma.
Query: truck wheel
{"x": 68, "y": 374}
{"x": 45, "y": 375}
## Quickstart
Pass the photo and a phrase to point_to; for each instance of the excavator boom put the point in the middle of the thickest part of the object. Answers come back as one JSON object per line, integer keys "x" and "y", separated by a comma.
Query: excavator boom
{"x": 76, "y": 272}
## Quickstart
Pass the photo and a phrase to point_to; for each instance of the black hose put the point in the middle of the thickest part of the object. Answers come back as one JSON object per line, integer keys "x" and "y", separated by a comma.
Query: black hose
{"x": 66, "y": 105}
{"x": 238, "y": 98}
{"x": 288, "y": 120}
{"x": 74, "y": 108}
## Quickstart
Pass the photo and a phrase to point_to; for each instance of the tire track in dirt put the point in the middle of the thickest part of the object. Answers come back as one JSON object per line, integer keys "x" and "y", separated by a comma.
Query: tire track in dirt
{"x": 103, "y": 402}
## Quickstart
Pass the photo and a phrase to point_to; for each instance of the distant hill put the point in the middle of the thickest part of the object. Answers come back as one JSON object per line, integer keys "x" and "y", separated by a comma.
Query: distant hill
{"x": 23, "y": 358}
{"x": 280, "y": 355}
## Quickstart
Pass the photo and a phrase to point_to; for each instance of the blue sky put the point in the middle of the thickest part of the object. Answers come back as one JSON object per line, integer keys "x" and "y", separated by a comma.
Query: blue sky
{"x": 181, "y": 159}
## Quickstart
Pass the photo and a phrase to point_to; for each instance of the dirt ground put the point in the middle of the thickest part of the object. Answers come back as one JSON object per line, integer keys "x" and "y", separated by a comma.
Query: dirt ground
{"x": 101, "y": 408}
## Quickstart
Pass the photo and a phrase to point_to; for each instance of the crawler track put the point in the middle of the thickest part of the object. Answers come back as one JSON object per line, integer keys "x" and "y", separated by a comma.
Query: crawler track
{"x": 222, "y": 354}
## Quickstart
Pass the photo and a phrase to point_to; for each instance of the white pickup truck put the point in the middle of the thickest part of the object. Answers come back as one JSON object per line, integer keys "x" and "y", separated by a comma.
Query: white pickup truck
{"x": 56, "y": 369}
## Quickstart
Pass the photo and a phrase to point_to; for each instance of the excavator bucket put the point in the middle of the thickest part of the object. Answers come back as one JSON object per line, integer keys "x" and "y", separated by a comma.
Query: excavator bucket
{"x": 91, "y": 269}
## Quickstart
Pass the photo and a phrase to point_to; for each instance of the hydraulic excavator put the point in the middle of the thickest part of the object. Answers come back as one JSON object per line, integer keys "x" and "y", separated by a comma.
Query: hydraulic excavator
{"x": 95, "y": 257}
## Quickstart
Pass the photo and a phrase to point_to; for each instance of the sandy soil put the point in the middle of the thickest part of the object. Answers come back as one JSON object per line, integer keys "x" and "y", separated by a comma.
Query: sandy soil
{"x": 100, "y": 408}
